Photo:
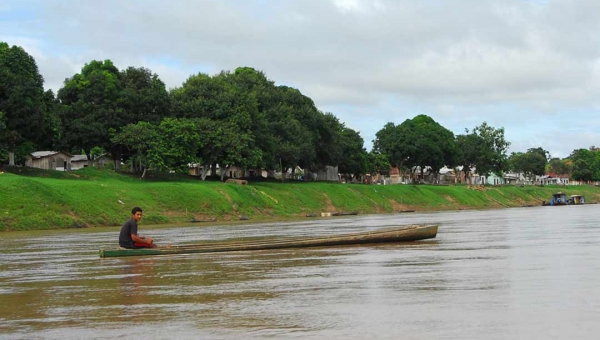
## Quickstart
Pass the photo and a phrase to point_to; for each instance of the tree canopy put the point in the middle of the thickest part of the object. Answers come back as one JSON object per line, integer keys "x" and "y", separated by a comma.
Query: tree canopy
{"x": 532, "y": 163}
{"x": 21, "y": 97}
{"x": 416, "y": 144}
{"x": 240, "y": 118}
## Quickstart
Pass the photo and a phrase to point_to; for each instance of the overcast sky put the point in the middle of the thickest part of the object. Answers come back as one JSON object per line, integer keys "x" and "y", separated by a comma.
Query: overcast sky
{"x": 530, "y": 66}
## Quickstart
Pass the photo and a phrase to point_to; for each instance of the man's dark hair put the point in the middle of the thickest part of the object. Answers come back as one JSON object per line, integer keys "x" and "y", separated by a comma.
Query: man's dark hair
{"x": 136, "y": 209}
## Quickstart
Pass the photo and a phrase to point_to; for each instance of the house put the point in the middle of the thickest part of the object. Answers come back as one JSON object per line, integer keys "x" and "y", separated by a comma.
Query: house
{"x": 554, "y": 179}
{"x": 195, "y": 169}
{"x": 62, "y": 161}
{"x": 447, "y": 176}
{"x": 395, "y": 175}
{"x": 78, "y": 162}
{"x": 491, "y": 179}
{"x": 234, "y": 171}
{"x": 514, "y": 178}
{"x": 50, "y": 160}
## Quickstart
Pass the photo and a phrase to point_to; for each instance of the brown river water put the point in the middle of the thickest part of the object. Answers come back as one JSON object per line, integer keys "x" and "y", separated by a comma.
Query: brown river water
{"x": 522, "y": 273}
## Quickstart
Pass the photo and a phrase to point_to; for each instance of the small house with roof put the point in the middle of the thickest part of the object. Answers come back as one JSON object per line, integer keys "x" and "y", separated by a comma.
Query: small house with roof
{"x": 50, "y": 160}
{"x": 79, "y": 161}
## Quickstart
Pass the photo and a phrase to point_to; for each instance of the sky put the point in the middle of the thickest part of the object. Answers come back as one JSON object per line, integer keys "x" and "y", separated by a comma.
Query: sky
{"x": 531, "y": 67}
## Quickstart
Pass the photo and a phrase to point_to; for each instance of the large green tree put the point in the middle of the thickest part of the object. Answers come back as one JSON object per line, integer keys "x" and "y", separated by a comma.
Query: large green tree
{"x": 21, "y": 98}
{"x": 285, "y": 137}
{"x": 436, "y": 145}
{"x": 138, "y": 139}
{"x": 378, "y": 163}
{"x": 91, "y": 106}
{"x": 52, "y": 133}
{"x": 470, "y": 147}
{"x": 219, "y": 98}
{"x": 416, "y": 144}
{"x": 585, "y": 165}
{"x": 100, "y": 100}
{"x": 177, "y": 145}
{"x": 485, "y": 149}
{"x": 531, "y": 164}
{"x": 392, "y": 142}
{"x": 558, "y": 166}
{"x": 144, "y": 97}
{"x": 354, "y": 157}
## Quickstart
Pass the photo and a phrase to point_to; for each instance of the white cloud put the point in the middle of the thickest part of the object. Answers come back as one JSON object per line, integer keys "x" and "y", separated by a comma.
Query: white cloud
{"x": 530, "y": 66}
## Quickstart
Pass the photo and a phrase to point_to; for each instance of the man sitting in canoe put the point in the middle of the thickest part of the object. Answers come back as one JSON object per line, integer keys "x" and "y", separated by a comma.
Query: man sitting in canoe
{"x": 129, "y": 237}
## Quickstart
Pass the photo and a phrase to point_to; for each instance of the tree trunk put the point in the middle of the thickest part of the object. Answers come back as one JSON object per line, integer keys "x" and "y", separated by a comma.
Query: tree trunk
{"x": 144, "y": 173}
{"x": 223, "y": 172}
{"x": 116, "y": 153}
{"x": 11, "y": 158}
{"x": 203, "y": 172}
{"x": 213, "y": 169}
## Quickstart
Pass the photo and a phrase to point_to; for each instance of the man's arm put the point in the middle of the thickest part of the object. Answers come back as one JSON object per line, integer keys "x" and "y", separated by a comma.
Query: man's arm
{"x": 141, "y": 239}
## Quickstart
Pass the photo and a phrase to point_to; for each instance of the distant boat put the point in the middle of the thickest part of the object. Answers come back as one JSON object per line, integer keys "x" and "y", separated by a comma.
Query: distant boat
{"x": 560, "y": 198}
{"x": 577, "y": 199}
{"x": 396, "y": 234}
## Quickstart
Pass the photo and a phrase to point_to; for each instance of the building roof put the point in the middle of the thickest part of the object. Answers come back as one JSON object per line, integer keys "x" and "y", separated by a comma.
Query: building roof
{"x": 79, "y": 158}
{"x": 40, "y": 154}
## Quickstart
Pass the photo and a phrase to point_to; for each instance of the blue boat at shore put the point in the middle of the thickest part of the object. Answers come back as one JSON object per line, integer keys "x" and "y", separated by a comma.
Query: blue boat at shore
{"x": 560, "y": 198}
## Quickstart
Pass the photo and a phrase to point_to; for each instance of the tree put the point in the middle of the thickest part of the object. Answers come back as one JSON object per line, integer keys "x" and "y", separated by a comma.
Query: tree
{"x": 388, "y": 142}
{"x": 354, "y": 157}
{"x": 558, "y": 166}
{"x": 531, "y": 164}
{"x": 101, "y": 100}
{"x": 177, "y": 145}
{"x": 436, "y": 145}
{"x": 223, "y": 143}
{"x": 470, "y": 147}
{"x": 285, "y": 136}
{"x": 52, "y": 132}
{"x": 545, "y": 154}
{"x": 138, "y": 139}
{"x": 417, "y": 143}
{"x": 3, "y": 137}
{"x": 90, "y": 107}
{"x": 21, "y": 97}
{"x": 144, "y": 97}
{"x": 377, "y": 163}
{"x": 582, "y": 170}
{"x": 585, "y": 165}
{"x": 219, "y": 98}
{"x": 491, "y": 156}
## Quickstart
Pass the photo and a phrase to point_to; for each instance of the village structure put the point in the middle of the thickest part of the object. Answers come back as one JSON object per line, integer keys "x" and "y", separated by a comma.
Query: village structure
{"x": 62, "y": 161}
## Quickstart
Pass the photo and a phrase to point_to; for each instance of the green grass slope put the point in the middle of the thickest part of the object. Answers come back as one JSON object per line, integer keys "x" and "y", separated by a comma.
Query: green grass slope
{"x": 33, "y": 199}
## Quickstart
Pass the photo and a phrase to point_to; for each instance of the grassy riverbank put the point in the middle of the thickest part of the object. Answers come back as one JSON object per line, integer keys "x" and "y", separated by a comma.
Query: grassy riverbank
{"x": 34, "y": 199}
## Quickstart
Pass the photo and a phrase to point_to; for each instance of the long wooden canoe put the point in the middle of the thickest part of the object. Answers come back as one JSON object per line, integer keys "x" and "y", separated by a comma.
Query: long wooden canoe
{"x": 398, "y": 234}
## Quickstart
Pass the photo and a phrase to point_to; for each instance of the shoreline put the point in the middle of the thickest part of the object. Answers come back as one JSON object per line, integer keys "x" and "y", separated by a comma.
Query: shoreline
{"x": 91, "y": 199}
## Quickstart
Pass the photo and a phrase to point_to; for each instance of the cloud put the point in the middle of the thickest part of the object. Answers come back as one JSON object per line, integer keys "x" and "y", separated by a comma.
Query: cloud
{"x": 532, "y": 67}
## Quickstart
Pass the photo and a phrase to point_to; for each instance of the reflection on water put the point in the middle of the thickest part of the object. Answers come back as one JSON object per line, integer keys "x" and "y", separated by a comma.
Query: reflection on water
{"x": 515, "y": 273}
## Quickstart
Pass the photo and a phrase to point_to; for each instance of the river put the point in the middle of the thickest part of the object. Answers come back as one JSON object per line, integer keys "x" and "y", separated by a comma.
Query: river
{"x": 521, "y": 273}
